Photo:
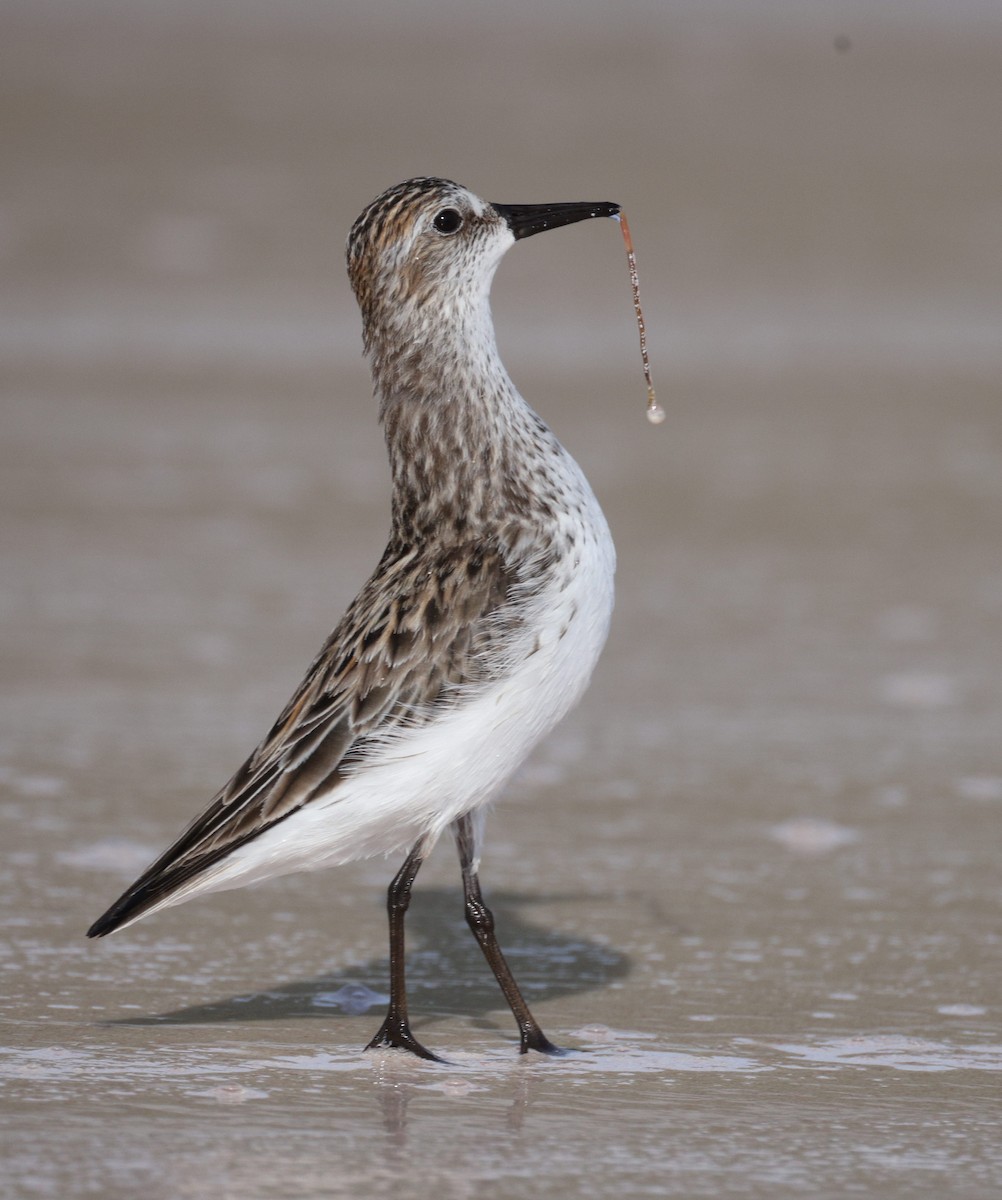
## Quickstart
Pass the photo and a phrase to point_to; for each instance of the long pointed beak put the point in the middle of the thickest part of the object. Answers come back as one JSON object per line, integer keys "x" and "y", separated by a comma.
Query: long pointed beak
{"x": 526, "y": 219}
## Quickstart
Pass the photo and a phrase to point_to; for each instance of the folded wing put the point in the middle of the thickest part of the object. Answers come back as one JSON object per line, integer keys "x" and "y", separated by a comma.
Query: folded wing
{"x": 417, "y": 637}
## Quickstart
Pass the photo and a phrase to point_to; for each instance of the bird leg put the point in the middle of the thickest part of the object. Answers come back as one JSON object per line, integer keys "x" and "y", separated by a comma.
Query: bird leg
{"x": 481, "y": 921}
{"x": 395, "y": 1031}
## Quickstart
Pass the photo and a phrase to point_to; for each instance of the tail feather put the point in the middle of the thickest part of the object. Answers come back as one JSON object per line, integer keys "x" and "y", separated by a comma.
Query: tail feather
{"x": 158, "y": 883}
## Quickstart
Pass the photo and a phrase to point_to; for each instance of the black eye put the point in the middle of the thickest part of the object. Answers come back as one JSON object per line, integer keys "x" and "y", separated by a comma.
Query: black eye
{"x": 449, "y": 220}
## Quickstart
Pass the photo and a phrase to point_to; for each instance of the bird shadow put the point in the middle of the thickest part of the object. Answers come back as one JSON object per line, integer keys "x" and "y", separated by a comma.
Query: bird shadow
{"x": 446, "y": 973}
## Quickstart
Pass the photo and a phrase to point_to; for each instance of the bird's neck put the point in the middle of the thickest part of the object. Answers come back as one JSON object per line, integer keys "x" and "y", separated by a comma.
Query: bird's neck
{"x": 427, "y": 343}
{"x": 467, "y": 454}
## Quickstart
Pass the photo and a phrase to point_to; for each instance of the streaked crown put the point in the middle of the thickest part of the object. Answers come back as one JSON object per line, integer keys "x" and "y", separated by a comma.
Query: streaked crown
{"x": 391, "y": 214}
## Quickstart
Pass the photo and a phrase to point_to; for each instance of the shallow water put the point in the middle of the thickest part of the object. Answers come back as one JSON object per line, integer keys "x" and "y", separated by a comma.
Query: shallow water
{"x": 752, "y": 883}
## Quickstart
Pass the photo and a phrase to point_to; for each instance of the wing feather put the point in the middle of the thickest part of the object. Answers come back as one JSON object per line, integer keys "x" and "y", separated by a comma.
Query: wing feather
{"x": 421, "y": 630}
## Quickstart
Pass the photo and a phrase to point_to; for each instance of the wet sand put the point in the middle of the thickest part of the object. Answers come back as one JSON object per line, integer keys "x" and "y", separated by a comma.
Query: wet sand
{"x": 753, "y": 880}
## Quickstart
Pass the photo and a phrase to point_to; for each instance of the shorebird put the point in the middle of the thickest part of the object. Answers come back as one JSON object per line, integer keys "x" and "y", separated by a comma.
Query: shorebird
{"x": 478, "y": 629}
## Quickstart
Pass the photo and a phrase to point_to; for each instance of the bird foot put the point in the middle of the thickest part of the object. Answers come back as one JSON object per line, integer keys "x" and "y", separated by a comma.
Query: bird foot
{"x": 536, "y": 1040}
{"x": 395, "y": 1034}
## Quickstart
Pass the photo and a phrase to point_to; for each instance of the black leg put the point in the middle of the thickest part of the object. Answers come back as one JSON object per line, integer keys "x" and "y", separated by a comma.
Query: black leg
{"x": 395, "y": 1031}
{"x": 481, "y": 920}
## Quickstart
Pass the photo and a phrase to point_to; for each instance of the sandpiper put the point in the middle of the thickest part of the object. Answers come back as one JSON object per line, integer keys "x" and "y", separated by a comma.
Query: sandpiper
{"x": 477, "y": 631}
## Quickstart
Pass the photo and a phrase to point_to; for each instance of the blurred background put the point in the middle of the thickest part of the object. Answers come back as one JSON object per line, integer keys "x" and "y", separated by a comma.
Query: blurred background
{"x": 756, "y": 871}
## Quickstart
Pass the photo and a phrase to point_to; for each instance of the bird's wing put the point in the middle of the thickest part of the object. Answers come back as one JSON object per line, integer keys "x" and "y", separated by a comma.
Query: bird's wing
{"x": 421, "y": 631}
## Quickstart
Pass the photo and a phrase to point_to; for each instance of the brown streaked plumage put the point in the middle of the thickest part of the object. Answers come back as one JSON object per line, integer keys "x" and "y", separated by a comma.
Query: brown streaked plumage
{"x": 475, "y": 633}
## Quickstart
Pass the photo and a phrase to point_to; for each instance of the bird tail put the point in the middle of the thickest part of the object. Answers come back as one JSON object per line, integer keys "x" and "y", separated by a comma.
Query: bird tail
{"x": 166, "y": 882}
